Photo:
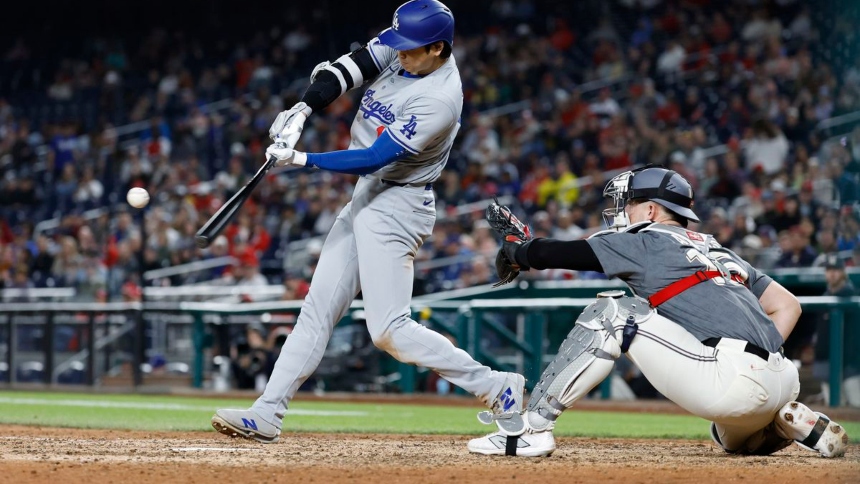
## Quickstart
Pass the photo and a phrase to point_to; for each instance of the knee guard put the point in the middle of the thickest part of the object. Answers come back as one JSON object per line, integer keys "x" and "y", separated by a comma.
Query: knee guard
{"x": 586, "y": 357}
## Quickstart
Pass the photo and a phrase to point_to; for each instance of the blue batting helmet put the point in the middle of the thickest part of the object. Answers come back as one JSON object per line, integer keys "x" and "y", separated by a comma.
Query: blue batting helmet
{"x": 417, "y": 23}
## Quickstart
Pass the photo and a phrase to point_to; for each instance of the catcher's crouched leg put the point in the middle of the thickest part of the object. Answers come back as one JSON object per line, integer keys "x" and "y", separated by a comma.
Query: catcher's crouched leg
{"x": 585, "y": 359}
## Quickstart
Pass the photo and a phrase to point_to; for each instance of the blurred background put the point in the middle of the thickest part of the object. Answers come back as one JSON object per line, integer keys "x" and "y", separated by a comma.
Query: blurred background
{"x": 756, "y": 102}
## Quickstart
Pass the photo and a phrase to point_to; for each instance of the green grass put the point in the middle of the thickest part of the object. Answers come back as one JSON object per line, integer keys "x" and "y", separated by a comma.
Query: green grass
{"x": 165, "y": 413}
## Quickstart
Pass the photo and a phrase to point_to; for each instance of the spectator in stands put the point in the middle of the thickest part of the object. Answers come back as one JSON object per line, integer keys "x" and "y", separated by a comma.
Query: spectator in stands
{"x": 42, "y": 261}
{"x": 839, "y": 285}
{"x": 68, "y": 264}
{"x": 737, "y": 61}
{"x": 565, "y": 228}
{"x": 295, "y": 287}
{"x": 250, "y": 358}
{"x": 89, "y": 190}
{"x": 65, "y": 188}
{"x": 765, "y": 148}
{"x": 795, "y": 247}
{"x": 481, "y": 144}
{"x": 246, "y": 271}
{"x": 845, "y": 184}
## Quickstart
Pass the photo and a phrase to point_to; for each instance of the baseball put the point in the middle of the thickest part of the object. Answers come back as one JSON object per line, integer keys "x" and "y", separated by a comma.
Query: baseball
{"x": 137, "y": 197}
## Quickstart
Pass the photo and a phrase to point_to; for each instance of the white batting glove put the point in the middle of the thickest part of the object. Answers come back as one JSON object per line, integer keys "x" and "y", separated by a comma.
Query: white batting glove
{"x": 286, "y": 155}
{"x": 289, "y": 123}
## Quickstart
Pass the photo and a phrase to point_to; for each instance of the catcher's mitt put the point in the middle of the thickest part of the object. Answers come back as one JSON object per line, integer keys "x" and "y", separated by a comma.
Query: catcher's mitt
{"x": 514, "y": 234}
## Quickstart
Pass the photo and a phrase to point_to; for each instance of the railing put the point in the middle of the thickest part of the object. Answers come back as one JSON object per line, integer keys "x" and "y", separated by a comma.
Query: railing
{"x": 32, "y": 293}
{"x": 519, "y": 325}
{"x": 838, "y": 121}
{"x": 187, "y": 268}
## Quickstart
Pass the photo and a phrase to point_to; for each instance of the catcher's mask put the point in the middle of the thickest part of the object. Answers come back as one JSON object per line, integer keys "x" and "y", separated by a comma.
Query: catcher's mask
{"x": 659, "y": 185}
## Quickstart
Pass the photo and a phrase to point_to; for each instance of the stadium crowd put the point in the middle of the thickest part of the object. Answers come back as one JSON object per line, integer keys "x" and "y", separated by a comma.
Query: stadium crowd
{"x": 734, "y": 95}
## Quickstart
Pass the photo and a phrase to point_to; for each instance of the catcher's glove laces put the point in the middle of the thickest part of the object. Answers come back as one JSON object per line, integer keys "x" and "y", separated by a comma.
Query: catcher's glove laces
{"x": 514, "y": 234}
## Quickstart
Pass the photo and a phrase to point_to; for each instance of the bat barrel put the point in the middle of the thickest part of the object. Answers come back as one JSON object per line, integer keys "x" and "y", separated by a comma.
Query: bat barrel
{"x": 222, "y": 217}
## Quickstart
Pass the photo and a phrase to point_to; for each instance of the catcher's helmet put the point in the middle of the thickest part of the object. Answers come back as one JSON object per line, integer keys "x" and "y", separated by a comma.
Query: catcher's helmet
{"x": 417, "y": 23}
{"x": 658, "y": 185}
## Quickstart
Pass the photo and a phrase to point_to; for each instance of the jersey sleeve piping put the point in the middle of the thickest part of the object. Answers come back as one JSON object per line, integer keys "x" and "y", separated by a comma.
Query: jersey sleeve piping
{"x": 401, "y": 142}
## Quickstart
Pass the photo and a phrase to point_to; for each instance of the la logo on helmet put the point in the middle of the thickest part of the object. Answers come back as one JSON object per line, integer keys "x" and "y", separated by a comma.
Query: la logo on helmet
{"x": 396, "y": 22}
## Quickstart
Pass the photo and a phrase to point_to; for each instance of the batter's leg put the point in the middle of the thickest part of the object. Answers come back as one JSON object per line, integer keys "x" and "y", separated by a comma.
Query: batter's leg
{"x": 333, "y": 288}
{"x": 387, "y": 239}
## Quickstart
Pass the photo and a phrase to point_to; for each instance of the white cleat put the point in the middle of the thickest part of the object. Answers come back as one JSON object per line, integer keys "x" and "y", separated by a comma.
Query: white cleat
{"x": 246, "y": 424}
{"x": 812, "y": 430}
{"x": 530, "y": 444}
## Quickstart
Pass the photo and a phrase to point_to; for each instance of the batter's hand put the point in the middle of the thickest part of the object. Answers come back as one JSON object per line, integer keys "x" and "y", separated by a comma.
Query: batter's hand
{"x": 286, "y": 155}
{"x": 289, "y": 124}
{"x": 514, "y": 234}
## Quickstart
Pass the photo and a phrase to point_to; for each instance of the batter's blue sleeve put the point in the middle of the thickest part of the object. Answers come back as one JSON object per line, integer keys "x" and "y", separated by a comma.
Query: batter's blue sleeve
{"x": 384, "y": 151}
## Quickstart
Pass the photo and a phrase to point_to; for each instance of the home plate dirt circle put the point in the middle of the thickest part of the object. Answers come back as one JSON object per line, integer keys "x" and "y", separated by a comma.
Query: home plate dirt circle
{"x": 34, "y": 454}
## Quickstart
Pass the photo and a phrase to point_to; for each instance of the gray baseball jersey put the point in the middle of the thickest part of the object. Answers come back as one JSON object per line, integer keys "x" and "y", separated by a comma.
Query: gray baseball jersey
{"x": 422, "y": 114}
{"x": 659, "y": 255}
{"x": 373, "y": 242}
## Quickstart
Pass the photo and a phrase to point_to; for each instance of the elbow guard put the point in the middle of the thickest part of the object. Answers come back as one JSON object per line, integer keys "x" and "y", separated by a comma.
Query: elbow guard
{"x": 329, "y": 81}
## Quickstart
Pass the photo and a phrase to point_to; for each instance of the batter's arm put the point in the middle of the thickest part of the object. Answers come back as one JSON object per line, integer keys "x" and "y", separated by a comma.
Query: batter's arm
{"x": 330, "y": 80}
{"x": 781, "y": 307}
{"x": 383, "y": 151}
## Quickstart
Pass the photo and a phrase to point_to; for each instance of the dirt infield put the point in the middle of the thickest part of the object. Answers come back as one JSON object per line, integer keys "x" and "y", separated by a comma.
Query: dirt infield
{"x": 33, "y": 454}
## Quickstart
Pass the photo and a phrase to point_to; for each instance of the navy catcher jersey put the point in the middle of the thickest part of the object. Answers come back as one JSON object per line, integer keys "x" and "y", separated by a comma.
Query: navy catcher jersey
{"x": 658, "y": 255}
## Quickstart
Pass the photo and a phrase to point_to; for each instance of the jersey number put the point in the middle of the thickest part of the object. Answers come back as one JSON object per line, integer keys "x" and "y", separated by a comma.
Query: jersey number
{"x": 722, "y": 263}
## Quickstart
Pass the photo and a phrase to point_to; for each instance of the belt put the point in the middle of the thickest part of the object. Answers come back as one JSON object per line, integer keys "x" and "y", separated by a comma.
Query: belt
{"x": 749, "y": 348}
{"x": 428, "y": 186}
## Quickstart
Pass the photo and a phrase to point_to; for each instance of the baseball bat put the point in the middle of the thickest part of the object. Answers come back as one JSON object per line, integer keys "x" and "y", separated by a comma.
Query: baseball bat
{"x": 222, "y": 217}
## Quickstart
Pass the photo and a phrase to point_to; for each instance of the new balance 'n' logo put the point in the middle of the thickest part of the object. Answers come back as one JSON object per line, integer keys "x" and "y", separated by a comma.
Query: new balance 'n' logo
{"x": 249, "y": 424}
{"x": 507, "y": 400}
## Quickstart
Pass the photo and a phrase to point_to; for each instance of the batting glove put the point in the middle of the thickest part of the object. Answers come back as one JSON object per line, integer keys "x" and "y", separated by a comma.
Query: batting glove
{"x": 289, "y": 123}
{"x": 286, "y": 155}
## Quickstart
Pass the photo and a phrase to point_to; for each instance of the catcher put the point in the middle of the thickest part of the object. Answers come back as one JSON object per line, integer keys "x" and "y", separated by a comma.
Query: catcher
{"x": 705, "y": 327}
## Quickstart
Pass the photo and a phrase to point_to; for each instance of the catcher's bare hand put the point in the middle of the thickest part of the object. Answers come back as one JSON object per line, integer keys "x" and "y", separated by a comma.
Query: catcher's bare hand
{"x": 514, "y": 234}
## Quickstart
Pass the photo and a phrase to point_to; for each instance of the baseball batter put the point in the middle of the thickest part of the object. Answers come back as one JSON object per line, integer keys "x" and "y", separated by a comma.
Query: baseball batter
{"x": 705, "y": 327}
{"x": 401, "y": 137}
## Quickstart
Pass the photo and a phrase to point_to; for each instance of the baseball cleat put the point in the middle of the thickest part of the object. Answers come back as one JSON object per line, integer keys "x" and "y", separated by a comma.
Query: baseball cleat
{"x": 530, "y": 444}
{"x": 246, "y": 424}
{"x": 812, "y": 430}
{"x": 508, "y": 401}
{"x": 510, "y": 398}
